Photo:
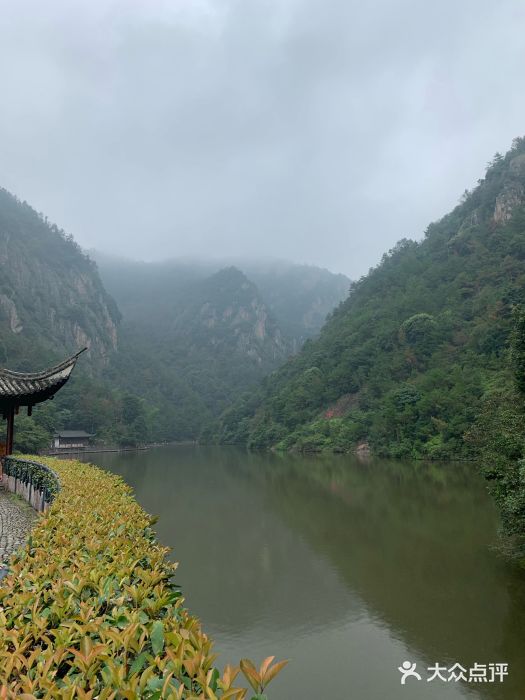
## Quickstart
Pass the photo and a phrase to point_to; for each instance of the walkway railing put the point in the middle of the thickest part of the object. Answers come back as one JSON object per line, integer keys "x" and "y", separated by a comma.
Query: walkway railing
{"x": 35, "y": 482}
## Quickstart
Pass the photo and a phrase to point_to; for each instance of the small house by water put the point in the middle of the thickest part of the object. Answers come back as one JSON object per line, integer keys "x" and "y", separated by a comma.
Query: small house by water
{"x": 71, "y": 440}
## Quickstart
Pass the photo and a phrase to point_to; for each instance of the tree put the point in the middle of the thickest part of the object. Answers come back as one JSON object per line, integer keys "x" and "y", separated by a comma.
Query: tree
{"x": 131, "y": 408}
{"x": 517, "y": 351}
{"x": 29, "y": 436}
{"x": 420, "y": 332}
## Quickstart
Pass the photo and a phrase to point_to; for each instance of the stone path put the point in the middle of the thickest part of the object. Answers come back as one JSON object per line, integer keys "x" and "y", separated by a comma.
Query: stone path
{"x": 16, "y": 519}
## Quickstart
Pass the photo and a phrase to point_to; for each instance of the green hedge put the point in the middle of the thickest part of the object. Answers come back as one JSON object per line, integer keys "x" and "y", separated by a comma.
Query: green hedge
{"x": 90, "y": 610}
{"x": 38, "y": 475}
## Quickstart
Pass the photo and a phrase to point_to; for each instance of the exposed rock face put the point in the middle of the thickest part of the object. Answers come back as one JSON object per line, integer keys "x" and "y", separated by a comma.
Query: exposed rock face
{"x": 232, "y": 318}
{"x": 296, "y": 297}
{"x": 512, "y": 196}
{"x": 9, "y": 308}
{"x": 513, "y": 192}
{"x": 299, "y": 297}
{"x": 51, "y": 296}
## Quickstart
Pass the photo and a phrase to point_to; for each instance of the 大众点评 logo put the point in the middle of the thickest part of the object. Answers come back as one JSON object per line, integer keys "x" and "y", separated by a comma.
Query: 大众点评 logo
{"x": 478, "y": 673}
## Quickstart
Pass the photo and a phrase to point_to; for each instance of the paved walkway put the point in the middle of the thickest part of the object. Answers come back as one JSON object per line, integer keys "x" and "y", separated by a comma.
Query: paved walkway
{"x": 16, "y": 520}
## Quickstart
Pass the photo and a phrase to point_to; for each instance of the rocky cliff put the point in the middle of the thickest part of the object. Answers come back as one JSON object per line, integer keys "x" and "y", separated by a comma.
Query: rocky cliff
{"x": 227, "y": 314}
{"x": 52, "y": 301}
{"x": 297, "y": 297}
{"x": 512, "y": 192}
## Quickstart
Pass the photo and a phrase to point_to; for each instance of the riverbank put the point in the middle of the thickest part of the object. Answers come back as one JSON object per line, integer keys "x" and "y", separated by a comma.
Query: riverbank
{"x": 105, "y": 612}
{"x": 96, "y": 449}
{"x": 68, "y": 453}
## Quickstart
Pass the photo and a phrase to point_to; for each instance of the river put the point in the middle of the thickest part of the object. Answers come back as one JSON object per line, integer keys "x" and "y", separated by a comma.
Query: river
{"x": 346, "y": 567}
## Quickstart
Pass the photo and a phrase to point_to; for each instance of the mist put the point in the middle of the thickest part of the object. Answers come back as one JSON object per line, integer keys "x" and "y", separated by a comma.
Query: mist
{"x": 317, "y": 132}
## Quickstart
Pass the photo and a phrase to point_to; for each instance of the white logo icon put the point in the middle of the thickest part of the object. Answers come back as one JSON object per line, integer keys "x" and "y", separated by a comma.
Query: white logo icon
{"x": 408, "y": 669}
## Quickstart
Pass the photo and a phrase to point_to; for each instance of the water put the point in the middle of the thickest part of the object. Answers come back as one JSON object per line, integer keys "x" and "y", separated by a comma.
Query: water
{"x": 348, "y": 568}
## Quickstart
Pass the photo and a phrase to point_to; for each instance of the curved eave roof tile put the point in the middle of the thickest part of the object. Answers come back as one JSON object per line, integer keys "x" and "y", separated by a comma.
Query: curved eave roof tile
{"x": 24, "y": 388}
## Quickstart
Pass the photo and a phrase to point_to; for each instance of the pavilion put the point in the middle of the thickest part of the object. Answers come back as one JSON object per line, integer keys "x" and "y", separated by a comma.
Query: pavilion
{"x": 29, "y": 388}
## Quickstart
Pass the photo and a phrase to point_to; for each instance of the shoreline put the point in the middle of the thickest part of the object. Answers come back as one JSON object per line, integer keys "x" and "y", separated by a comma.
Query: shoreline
{"x": 94, "y": 449}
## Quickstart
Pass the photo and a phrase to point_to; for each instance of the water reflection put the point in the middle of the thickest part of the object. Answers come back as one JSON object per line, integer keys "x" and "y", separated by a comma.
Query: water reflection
{"x": 349, "y": 567}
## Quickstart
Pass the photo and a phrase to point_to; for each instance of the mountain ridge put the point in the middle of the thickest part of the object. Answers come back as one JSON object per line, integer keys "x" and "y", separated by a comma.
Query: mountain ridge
{"x": 416, "y": 345}
{"x": 299, "y": 297}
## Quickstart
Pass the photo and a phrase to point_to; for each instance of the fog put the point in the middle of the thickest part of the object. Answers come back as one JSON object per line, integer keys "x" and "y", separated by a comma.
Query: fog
{"x": 319, "y": 131}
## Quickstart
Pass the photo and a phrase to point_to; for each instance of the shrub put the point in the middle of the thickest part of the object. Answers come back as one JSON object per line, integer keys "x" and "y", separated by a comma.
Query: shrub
{"x": 89, "y": 608}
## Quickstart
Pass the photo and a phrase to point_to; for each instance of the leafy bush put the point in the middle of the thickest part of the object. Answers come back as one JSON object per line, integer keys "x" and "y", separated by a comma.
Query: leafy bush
{"x": 89, "y": 608}
{"x": 33, "y": 474}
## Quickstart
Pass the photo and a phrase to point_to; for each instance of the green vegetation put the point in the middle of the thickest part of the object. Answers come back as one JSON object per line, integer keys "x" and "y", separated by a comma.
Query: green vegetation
{"x": 35, "y": 475}
{"x": 193, "y": 357}
{"x": 52, "y": 302}
{"x": 498, "y": 438}
{"x": 51, "y": 297}
{"x": 408, "y": 361}
{"x": 89, "y": 608}
{"x": 114, "y": 416}
{"x": 194, "y": 337}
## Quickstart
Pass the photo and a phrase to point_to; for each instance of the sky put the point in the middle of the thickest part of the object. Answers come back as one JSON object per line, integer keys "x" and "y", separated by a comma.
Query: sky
{"x": 322, "y": 131}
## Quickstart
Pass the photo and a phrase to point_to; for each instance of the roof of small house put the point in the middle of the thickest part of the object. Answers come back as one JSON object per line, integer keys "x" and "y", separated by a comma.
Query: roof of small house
{"x": 29, "y": 388}
{"x": 73, "y": 434}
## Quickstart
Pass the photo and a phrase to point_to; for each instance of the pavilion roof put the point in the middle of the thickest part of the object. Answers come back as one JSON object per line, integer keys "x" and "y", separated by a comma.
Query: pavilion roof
{"x": 29, "y": 388}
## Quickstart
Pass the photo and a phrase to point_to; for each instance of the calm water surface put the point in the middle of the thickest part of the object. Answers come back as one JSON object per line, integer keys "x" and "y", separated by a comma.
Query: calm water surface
{"x": 345, "y": 567}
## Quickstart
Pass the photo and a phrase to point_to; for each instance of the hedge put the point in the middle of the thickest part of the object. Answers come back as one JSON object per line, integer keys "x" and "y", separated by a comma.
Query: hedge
{"x": 36, "y": 482}
{"x": 90, "y": 609}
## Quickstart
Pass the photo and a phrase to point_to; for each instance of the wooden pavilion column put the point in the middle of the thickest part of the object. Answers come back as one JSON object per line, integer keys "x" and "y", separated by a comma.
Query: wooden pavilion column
{"x": 10, "y": 430}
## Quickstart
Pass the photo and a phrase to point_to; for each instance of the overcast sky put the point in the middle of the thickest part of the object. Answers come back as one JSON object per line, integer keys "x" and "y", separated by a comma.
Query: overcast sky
{"x": 317, "y": 130}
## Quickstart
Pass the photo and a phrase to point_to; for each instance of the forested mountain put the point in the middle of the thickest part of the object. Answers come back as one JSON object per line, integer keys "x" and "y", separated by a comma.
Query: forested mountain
{"x": 406, "y": 362}
{"x": 190, "y": 339}
{"x": 193, "y": 337}
{"x": 196, "y": 355}
{"x": 52, "y": 301}
{"x": 299, "y": 297}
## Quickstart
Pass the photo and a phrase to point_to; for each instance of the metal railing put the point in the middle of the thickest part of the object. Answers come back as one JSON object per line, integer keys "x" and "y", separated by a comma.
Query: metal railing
{"x": 35, "y": 482}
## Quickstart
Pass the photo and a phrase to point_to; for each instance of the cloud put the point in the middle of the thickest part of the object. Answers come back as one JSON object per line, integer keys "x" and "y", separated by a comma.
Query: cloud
{"x": 318, "y": 131}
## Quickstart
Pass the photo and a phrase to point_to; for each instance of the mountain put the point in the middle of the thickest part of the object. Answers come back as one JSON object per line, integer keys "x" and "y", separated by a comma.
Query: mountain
{"x": 194, "y": 337}
{"x": 193, "y": 355}
{"x": 299, "y": 297}
{"x": 52, "y": 301}
{"x": 190, "y": 339}
{"x": 227, "y": 314}
{"x": 405, "y": 363}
